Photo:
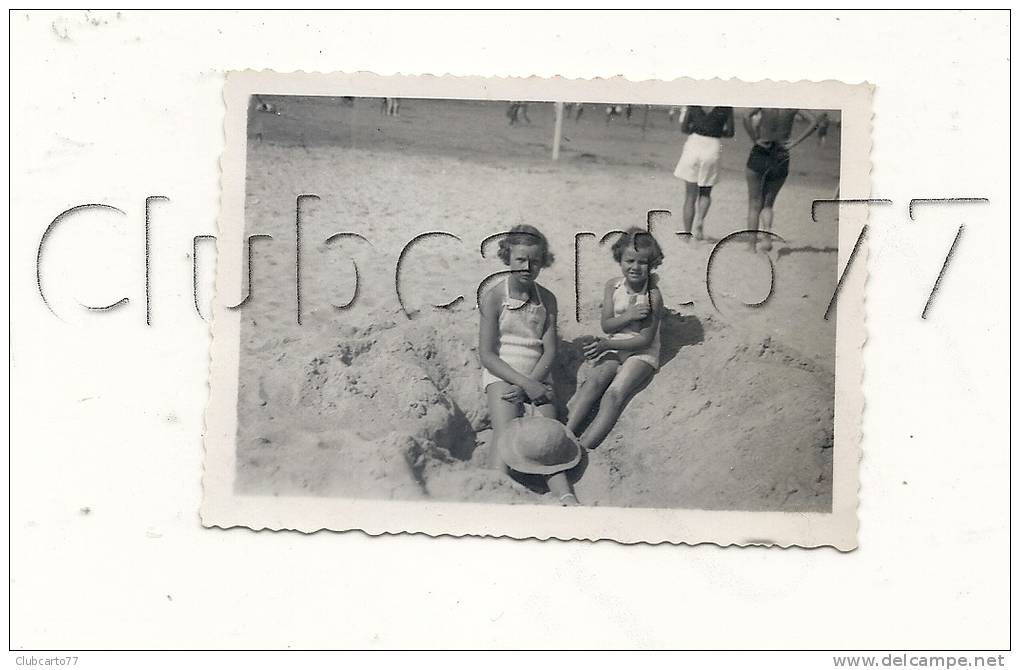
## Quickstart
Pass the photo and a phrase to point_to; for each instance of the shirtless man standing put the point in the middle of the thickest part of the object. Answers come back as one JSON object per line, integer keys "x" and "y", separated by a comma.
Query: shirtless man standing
{"x": 769, "y": 163}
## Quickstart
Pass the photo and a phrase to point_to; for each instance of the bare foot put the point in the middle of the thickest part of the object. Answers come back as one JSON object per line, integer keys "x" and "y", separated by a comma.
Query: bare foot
{"x": 569, "y": 500}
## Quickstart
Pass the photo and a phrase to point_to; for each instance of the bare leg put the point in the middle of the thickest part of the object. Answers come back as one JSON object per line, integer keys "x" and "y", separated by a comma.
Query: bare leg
{"x": 690, "y": 201}
{"x": 770, "y": 191}
{"x": 501, "y": 413}
{"x": 701, "y": 211}
{"x": 560, "y": 487}
{"x": 558, "y": 483}
{"x": 754, "y": 202}
{"x": 631, "y": 375}
{"x": 590, "y": 392}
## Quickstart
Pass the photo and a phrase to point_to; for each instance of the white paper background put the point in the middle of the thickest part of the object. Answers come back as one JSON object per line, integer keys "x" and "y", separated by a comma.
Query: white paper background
{"x": 106, "y": 413}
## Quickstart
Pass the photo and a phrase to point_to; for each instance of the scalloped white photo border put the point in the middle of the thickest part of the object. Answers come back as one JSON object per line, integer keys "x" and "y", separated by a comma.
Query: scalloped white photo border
{"x": 223, "y": 508}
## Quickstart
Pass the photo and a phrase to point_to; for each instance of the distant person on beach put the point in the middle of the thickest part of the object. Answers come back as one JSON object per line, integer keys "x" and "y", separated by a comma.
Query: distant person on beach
{"x": 612, "y": 111}
{"x": 517, "y": 112}
{"x": 256, "y": 107}
{"x": 699, "y": 162}
{"x": 823, "y": 129}
{"x": 574, "y": 110}
{"x": 517, "y": 342}
{"x": 769, "y": 163}
{"x": 631, "y": 312}
{"x": 390, "y": 107}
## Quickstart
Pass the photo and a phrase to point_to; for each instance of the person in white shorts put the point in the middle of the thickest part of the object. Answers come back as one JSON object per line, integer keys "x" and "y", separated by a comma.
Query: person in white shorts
{"x": 699, "y": 162}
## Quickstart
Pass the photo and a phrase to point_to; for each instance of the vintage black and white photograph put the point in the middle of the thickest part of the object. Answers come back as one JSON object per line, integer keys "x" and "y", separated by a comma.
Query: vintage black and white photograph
{"x": 539, "y": 303}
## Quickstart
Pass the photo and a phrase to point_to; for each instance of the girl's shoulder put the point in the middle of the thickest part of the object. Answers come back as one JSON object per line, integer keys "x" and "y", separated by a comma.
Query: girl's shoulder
{"x": 497, "y": 288}
{"x": 614, "y": 283}
{"x": 493, "y": 295}
{"x": 654, "y": 294}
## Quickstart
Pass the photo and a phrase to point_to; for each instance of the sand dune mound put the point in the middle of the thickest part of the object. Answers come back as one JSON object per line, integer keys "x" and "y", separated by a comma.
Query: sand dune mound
{"x": 397, "y": 411}
{"x": 729, "y": 423}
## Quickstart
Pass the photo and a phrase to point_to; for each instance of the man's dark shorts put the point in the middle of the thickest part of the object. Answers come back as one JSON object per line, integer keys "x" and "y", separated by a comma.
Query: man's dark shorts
{"x": 772, "y": 162}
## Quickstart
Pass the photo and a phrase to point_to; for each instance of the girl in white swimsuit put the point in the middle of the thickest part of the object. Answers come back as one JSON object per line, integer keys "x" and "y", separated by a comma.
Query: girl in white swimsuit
{"x": 631, "y": 312}
{"x": 623, "y": 301}
{"x": 521, "y": 327}
{"x": 517, "y": 343}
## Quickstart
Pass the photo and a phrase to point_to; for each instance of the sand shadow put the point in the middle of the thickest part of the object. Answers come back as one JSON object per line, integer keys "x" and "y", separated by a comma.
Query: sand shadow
{"x": 458, "y": 438}
{"x": 676, "y": 332}
{"x": 569, "y": 359}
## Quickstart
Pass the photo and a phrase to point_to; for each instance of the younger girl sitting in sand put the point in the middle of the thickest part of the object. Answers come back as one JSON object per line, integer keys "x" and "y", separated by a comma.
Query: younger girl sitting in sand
{"x": 631, "y": 311}
{"x": 517, "y": 342}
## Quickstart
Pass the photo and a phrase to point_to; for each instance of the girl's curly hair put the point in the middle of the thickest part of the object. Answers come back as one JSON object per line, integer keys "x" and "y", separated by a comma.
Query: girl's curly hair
{"x": 639, "y": 240}
{"x": 525, "y": 234}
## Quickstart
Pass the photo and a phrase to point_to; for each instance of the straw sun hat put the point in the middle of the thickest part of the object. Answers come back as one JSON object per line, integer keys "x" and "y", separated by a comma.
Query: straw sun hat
{"x": 538, "y": 445}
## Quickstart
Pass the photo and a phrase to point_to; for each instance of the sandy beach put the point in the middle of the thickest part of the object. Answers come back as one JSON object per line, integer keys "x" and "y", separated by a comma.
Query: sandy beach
{"x": 380, "y": 401}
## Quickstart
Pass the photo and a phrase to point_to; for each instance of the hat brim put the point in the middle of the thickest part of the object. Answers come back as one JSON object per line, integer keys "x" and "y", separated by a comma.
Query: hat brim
{"x": 519, "y": 463}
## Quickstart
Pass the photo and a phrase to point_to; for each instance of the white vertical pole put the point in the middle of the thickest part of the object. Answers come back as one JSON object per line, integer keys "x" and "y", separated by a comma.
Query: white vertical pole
{"x": 558, "y": 132}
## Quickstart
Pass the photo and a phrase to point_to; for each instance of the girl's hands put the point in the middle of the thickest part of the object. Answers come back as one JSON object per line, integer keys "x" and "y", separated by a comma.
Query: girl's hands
{"x": 638, "y": 311}
{"x": 537, "y": 392}
{"x": 596, "y": 347}
{"x": 514, "y": 394}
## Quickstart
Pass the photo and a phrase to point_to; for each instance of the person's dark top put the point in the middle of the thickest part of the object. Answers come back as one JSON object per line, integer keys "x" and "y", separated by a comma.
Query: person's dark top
{"x": 710, "y": 124}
